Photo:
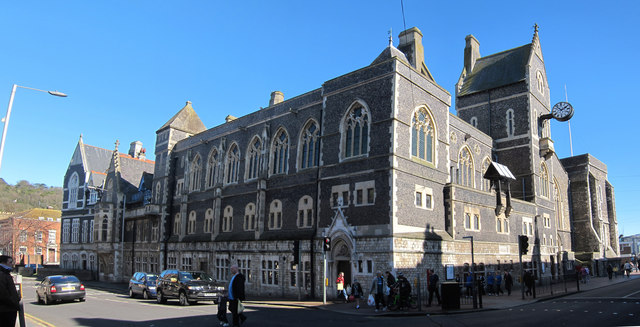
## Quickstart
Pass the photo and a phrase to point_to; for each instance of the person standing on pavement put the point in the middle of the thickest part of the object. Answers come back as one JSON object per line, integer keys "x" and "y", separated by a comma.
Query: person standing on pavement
{"x": 508, "y": 282}
{"x": 391, "y": 282}
{"x": 356, "y": 290}
{"x": 9, "y": 298}
{"x": 498, "y": 284}
{"x": 627, "y": 269}
{"x": 528, "y": 282}
{"x": 433, "y": 287}
{"x": 610, "y": 271}
{"x": 377, "y": 289}
{"x": 490, "y": 281}
{"x": 340, "y": 287}
{"x": 236, "y": 295}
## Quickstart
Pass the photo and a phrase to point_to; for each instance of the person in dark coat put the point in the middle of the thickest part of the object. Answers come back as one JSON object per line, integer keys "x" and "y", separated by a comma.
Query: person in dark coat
{"x": 508, "y": 282}
{"x": 433, "y": 287}
{"x": 610, "y": 271}
{"x": 236, "y": 294}
{"x": 528, "y": 282}
{"x": 9, "y": 298}
{"x": 391, "y": 282}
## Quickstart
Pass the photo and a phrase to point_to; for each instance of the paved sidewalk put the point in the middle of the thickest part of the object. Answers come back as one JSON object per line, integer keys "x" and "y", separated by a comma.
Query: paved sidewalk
{"x": 488, "y": 302}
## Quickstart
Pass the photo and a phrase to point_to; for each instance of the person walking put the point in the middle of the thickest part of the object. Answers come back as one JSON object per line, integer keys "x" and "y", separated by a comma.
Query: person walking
{"x": 236, "y": 295}
{"x": 627, "y": 269}
{"x": 508, "y": 282}
{"x": 340, "y": 287}
{"x": 9, "y": 298}
{"x": 469, "y": 285}
{"x": 490, "y": 281}
{"x": 377, "y": 289}
{"x": 433, "y": 287}
{"x": 528, "y": 282}
{"x": 356, "y": 291}
{"x": 391, "y": 285}
{"x": 615, "y": 271}
{"x": 610, "y": 271}
{"x": 498, "y": 284}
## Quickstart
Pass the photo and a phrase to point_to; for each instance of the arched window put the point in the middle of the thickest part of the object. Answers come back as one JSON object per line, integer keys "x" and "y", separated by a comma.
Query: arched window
{"x": 212, "y": 168}
{"x": 105, "y": 228}
{"x": 176, "y": 224}
{"x": 486, "y": 184}
{"x": 511, "y": 124}
{"x": 194, "y": 174}
{"x": 544, "y": 180}
{"x": 254, "y": 158}
{"x": 305, "y": 212}
{"x": 465, "y": 168}
{"x": 208, "y": 221}
{"x": 423, "y": 135}
{"x": 275, "y": 215}
{"x": 73, "y": 190}
{"x": 109, "y": 191}
{"x": 559, "y": 209}
{"x": 540, "y": 82}
{"x": 250, "y": 222}
{"x": 191, "y": 228}
{"x": 158, "y": 197}
{"x": 233, "y": 164}
{"x": 280, "y": 153}
{"x": 474, "y": 121}
{"x": 310, "y": 141}
{"x": 227, "y": 219}
{"x": 356, "y": 131}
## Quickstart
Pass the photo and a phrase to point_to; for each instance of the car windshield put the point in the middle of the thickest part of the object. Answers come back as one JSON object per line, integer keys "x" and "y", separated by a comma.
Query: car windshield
{"x": 152, "y": 277}
{"x": 195, "y": 276}
{"x": 64, "y": 279}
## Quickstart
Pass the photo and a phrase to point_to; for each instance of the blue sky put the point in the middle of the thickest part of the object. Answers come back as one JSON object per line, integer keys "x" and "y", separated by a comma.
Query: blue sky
{"x": 129, "y": 66}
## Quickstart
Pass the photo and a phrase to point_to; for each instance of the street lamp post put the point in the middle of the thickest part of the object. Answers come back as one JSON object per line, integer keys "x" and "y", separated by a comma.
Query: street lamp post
{"x": 473, "y": 275}
{"x": 6, "y": 118}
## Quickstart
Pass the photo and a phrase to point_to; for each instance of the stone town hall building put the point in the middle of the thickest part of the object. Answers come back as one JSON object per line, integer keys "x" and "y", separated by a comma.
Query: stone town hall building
{"x": 374, "y": 160}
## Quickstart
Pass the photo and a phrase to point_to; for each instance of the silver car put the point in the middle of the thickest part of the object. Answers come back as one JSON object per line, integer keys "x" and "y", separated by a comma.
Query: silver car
{"x": 60, "y": 288}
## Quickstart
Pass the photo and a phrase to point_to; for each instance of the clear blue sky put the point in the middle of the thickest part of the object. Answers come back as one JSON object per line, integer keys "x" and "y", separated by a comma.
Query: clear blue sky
{"x": 129, "y": 66}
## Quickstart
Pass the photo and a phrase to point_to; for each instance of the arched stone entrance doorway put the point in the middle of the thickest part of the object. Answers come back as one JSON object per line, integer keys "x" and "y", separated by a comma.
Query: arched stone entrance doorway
{"x": 342, "y": 259}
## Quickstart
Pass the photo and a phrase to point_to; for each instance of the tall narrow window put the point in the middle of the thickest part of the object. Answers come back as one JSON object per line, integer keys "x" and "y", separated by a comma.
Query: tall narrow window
{"x": 250, "y": 222}
{"x": 465, "y": 166}
{"x": 280, "y": 153}
{"x": 191, "y": 228}
{"x": 356, "y": 131}
{"x": 540, "y": 82}
{"x": 158, "y": 192}
{"x": 208, "y": 221}
{"x": 194, "y": 174}
{"x": 422, "y": 135}
{"x": 212, "y": 168}
{"x": 233, "y": 164}
{"x": 227, "y": 219}
{"x": 558, "y": 200}
{"x": 105, "y": 228}
{"x": 75, "y": 230}
{"x": 305, "y": 212}
{"x": 73, "y": 190}
{"x": 254, "y": 158}
{"x": 486, "y": 184}
{"x": 474, "y": 121}
{"x": 176, "y": 224}
{"x": 310, "y": 141}
{"x": 544, "y": 180}
{"x": 511, "y": 125}
{"x": 275, "y": 215}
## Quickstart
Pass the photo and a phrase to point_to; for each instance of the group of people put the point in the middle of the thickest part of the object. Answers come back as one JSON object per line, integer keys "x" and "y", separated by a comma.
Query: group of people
{"x": 626, "y": 268}
{"x": 384, "y": 290}
{"x": 493, "y": 283}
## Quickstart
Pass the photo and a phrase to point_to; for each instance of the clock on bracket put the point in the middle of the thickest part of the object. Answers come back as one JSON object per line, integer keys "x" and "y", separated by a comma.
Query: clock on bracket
{"x": 562, "y": 111}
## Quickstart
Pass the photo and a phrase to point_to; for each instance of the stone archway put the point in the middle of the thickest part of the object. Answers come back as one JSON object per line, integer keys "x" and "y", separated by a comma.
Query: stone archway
{"x": 342, "y": 255}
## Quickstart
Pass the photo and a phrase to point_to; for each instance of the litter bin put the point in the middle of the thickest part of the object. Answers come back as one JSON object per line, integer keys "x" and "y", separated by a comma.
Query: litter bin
{"x": 450, "y": 295}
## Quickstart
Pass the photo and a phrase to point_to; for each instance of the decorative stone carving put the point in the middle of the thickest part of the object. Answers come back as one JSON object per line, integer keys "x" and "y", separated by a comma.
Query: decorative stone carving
{"x": 476, "y": 148}
{"x": 454, "y": 137}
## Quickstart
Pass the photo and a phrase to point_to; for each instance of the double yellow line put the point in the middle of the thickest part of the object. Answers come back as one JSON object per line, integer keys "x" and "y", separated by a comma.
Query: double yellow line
{"x": 38, "y": 321}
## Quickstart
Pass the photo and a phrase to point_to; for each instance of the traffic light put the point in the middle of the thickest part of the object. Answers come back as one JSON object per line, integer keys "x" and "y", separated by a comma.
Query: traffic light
{"x": 296, "y": 251}
{"x": 524, "y": 243}
{"x": 326, "y": 244}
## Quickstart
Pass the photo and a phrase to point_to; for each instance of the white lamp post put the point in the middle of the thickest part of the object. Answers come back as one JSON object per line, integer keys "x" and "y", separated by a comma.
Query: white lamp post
{"x": 6, "y": 118}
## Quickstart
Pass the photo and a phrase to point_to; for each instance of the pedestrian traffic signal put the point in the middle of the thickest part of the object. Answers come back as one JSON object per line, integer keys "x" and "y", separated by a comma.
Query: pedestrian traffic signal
{"x": 326, "y": 244}
{"x": 524, "y": 243}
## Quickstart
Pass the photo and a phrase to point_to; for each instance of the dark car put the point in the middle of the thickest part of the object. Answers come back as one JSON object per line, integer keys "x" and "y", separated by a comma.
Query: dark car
{"x": 60, "y": 288}
{"x": 188, "y": 287}
{"x": 143, "y": 284}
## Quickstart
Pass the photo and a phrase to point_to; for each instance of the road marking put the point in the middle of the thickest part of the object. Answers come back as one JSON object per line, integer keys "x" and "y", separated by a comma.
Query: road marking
{"x": 599, "y": 311}
{"x": 38, "y": 321}
{"x": 615, "y": 313}
{"x": 631, "y": 294}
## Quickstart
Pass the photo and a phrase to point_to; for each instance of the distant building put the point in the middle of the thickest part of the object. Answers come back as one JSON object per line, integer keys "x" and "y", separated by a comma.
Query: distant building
{"x": 32, "y": 236}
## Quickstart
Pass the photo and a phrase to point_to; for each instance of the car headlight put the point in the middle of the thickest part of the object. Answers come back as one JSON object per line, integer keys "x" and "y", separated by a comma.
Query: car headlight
{"x": 196, "y": 288}
{"x": 219, "y": 288}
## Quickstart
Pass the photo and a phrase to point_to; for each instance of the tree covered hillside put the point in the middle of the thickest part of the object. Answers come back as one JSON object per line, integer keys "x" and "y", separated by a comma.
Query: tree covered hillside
{"x": 24, "y": 196}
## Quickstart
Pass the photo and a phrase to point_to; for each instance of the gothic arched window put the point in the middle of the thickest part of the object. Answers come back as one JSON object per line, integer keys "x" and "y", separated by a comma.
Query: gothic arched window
{"x": 233, "y": 164}
{"x": 194, "y": 174}
{"x": 305, "y": 212}
{"x": 73, "y": 190}
{"x": 250, "y": 222}
{"x": 486, "y": 184}
{"x": 423, "y": 135}
{"x": 280, "y": 153}
{"x": 310, "y": 141}
{"x": 254, "y": 158}
{"x": 356, "y": 131}
{"x": 544, "y": 180}
{"x": 275, "y": 215}
{"x": 465, "y": 168}
{"x": 212, "y": 168}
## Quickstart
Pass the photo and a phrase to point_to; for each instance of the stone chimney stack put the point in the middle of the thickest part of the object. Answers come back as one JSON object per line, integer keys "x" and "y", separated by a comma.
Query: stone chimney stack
{"x": 276, "y": 97}
{"x": 411, "y": 46}
{"x": 135, "y": 149}
{"x": 471, "y": 53}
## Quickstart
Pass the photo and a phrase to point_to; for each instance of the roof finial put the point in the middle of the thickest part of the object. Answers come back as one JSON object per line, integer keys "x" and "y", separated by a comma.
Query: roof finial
{"x": 535, "y": 32}
{"x": 117, "y": 143}
{"x": 390, "y": 37}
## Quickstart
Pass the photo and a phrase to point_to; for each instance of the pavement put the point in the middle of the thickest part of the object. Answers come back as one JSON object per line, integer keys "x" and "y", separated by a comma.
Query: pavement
{"x": 466, "y": 305}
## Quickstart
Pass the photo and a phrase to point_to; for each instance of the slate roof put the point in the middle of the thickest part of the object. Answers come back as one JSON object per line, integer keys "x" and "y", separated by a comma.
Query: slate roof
{"x": 131, "y": 171}
{"x": 186, "y": 120}
{"x": 388, "y": 53}
{"x": 96, "y": 159}
{"x": 497, "y": 70}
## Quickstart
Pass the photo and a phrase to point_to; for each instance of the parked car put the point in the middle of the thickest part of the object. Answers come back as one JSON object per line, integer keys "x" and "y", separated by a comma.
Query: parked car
{"x": 143, "y": 284}
{"x": 188, "y": 287}
{"x": 60, "y": 288}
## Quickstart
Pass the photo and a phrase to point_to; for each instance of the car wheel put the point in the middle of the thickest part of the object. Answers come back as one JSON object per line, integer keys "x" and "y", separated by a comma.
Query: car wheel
{"x": 145, "y": 294}
{"x": 46, "y": 300}
{"x": 183, "y": 298}
{"x": 39, "y": 298}
{"x": 131, "y": 293}
{"x": 160, "y": 298}
{"x": 81, "y": 299}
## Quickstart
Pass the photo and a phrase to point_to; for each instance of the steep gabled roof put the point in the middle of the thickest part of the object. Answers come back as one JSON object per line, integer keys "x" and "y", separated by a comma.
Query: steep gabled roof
{"x": 388, "y": 53}
{"x": 132, "y": 170}
{"x": 497, "y": 70}
{"x": 96, "y": 159}
{"x": 185, "y": 120}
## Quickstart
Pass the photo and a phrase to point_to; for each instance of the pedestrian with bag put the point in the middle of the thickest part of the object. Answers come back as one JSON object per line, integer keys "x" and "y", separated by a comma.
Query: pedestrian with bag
{"x": 356, "y": 290}
{"x": 377, "y": 289}
{"x": 236, "y": 296}
{"x": 433, "y": 287}
{"x": 340, "y": 288}
{"x": 390, "y": 289}
{"x": 9, "y": 298}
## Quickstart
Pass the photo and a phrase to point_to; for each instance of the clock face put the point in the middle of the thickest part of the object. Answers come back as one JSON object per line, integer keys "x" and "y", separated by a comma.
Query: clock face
{"x": 562, "y": 111}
